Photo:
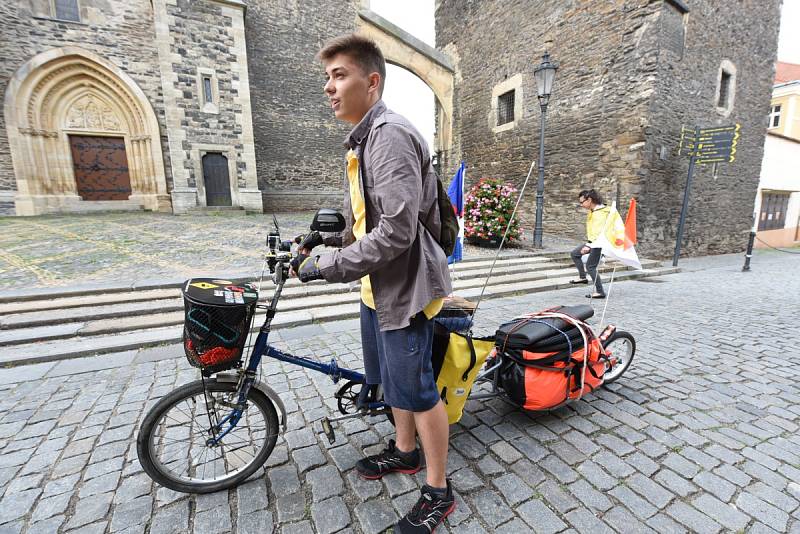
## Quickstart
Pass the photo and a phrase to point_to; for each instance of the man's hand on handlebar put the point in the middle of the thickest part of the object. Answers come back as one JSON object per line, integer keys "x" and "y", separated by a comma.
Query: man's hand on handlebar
{"x": 305, "y": 267}
{"x": 308, "y": 242}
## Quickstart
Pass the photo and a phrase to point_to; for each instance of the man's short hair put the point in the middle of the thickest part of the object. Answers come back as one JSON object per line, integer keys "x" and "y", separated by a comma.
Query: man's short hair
{"x": 362, "y": 49}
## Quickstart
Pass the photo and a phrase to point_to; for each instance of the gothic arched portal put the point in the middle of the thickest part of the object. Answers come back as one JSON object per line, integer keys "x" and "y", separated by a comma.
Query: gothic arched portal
{"x": 64, "y": 100}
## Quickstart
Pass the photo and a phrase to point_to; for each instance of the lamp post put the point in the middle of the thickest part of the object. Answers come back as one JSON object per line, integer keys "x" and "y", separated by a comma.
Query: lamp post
{"x": 544, "y": 74}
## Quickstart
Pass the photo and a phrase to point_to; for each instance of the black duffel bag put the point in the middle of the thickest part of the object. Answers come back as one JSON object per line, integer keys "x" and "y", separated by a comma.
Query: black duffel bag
{"x": 543, "y": 335}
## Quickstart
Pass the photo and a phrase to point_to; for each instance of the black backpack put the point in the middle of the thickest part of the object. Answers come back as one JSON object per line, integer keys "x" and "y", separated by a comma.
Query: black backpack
{"x": 448, "y": 220}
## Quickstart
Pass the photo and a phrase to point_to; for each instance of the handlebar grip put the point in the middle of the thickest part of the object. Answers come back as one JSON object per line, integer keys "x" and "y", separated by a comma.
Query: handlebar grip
{"x": 311, "y": 240}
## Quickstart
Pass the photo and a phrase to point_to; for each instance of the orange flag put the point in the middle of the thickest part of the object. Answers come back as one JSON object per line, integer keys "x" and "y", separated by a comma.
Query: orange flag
{"x": 630, "y": 225}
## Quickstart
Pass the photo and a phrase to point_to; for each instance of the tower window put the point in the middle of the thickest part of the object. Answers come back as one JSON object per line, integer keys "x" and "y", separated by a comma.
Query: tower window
{"x": 724, "y": 89}
{"x": 208, "y": 95}
{"x": 725, "y": 94}
{"x": 505, "y": 108}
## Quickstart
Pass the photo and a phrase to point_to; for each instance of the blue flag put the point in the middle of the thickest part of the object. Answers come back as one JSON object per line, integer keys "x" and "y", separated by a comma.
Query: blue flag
{"x": 456, "y": 194}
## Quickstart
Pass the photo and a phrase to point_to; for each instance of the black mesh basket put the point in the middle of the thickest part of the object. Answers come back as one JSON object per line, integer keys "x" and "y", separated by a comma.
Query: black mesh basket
{"x": 217, "y": 320}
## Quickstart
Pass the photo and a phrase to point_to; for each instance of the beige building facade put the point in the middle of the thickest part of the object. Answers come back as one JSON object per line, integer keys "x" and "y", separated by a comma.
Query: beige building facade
{"x": 777, "y": 205}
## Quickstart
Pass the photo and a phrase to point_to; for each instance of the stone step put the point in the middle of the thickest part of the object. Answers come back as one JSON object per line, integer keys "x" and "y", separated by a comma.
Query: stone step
{"x": 43, "y": 304}
{"x": 152, "y": 330}
{"x": 94, "y": 320}
{"x": 29, "y": 314}
{"x": 13, "y": 301}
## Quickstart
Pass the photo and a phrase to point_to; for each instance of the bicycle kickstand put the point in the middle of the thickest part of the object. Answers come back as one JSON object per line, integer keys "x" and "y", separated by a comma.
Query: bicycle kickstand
{"x": 327, "y": 427}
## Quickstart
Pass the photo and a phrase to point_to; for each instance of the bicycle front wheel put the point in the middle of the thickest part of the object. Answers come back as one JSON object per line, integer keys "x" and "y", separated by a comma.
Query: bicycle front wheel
{"x": 183, "y": 444}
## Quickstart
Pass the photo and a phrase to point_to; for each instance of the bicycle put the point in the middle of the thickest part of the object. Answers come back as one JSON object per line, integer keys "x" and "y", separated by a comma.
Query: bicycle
{"x": 214, "y": 433}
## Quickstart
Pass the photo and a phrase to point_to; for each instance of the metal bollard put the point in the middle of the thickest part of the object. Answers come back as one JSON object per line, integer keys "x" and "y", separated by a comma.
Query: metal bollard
{"x": 749, "y": 253}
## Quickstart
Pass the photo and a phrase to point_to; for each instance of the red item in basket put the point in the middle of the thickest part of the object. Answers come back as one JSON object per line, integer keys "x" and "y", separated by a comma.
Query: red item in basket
{"x": 214, "y": 356}
{"x": 218, "y": 355}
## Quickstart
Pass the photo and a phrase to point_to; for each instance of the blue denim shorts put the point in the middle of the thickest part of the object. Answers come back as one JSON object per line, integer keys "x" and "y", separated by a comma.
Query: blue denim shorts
{"x": 400, "y": 360}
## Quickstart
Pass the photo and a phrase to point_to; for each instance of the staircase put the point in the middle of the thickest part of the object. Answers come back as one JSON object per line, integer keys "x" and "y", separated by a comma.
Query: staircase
{"x": 56, "y": 326}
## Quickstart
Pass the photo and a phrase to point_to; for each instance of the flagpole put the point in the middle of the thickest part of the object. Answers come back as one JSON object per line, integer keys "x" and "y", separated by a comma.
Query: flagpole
{"x": 502, "y": 241}
{"x": 463, "y": 215}
{"x": 608, "y": 295}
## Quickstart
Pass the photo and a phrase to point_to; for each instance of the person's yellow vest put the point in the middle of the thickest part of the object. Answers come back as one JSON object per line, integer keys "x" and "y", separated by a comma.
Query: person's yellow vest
{"x": 596, "y": 221}
{"x": 360, "y": 230}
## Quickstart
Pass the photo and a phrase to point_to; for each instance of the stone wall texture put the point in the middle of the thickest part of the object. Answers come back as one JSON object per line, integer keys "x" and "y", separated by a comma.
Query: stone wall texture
{"x": 202, "y": 37}
{"x": 631, "y": 73}
{"x": 298, "y": 140}
{"x": 120, "y": 31}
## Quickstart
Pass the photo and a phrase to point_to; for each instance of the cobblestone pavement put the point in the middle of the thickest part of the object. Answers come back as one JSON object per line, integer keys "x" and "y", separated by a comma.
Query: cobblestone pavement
{"x": 700, "y": 435}
{"x": 70, "y": 250}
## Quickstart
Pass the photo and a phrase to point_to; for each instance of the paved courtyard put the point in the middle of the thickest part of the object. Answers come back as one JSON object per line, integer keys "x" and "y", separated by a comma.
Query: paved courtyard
{"x": 700, "y": 435}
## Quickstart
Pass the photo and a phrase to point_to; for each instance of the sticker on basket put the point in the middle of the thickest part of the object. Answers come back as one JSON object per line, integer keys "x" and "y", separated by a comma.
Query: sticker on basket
{"x": 222, "y": 282}
{"x": 228, "y": 297}
{"x": 203, "y": 285}
{"x": 218, "y": 293}
{"x": 238, "y": 298}
{"x": 251, "y": 294}
{"x": 235, "y": 289}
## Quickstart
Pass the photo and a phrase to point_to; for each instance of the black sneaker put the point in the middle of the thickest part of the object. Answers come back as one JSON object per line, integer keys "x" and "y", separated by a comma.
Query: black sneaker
{"x": 428, "y": 513}
{"x": 390, "y": 460}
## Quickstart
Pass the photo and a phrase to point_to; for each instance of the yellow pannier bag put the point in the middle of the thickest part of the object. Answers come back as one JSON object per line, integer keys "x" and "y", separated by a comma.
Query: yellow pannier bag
{"x": 457, "y": 359}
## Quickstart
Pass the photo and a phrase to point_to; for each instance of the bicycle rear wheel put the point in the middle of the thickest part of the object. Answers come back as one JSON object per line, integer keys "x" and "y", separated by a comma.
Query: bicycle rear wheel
{"x": 622, "y": 347}
{"x": 179, "y": 443}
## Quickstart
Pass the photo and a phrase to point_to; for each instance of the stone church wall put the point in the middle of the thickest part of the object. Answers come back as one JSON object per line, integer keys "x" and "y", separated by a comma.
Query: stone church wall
{"x": 298, "y": 141}
{"x": 207, "y": 39}
{"x": 721, "y": 206}
{"x": 120, "y": 31}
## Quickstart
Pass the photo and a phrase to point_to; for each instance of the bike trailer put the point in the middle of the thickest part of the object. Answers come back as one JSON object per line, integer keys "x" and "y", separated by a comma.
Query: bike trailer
{"x": 549, "y": 358}
{"x": 217, "y": 318}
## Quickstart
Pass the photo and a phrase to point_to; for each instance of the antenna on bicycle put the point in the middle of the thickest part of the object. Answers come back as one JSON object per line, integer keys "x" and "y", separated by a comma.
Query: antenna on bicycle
{"x": 275, "y": 221}
{"x": 499, "y": 248}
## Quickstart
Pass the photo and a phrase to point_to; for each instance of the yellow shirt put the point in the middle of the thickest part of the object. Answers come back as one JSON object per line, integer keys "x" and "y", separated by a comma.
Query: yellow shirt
{"x": 596, "y": 221}
{"x": 360, "y": 230}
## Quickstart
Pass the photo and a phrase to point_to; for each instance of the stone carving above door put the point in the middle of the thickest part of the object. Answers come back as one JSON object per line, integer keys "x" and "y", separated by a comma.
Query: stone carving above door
{"x": 90, "y": 114}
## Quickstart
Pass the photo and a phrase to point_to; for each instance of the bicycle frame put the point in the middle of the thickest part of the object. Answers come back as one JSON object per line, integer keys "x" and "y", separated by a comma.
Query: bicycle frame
{"x": 261, "y": 348}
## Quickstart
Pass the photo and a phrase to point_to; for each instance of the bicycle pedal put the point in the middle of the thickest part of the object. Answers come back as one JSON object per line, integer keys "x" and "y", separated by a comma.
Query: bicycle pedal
{"x": 328, "y": 429}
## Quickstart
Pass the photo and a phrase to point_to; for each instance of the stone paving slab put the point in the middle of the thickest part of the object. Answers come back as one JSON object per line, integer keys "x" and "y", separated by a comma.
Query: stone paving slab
{"x": 700, "y": 435}
{"x": 141, "y": 249}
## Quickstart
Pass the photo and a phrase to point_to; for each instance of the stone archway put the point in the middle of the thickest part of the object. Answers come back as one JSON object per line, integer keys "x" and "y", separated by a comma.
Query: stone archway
{"x": 68, "y": 92}
{"x": 427, "y": 63}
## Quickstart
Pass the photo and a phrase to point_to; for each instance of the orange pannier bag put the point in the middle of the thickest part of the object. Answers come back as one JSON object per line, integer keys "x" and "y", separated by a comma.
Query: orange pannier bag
{"x": 542, "y": 358}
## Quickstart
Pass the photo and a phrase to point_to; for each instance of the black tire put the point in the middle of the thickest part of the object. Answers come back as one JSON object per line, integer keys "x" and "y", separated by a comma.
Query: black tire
{"x": 622, "y": 346}
{"x": 150, "y": 446}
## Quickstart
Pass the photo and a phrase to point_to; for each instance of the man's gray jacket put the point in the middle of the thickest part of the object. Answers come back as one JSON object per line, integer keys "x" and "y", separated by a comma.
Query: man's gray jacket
{"x": 406, "y": 265}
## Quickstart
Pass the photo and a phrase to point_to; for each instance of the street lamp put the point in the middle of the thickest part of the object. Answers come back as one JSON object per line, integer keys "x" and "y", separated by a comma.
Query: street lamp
{"x": 544, "y": 74}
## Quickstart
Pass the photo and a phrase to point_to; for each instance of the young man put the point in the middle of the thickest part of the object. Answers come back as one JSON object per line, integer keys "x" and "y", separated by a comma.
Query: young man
{"x": 392, "y": 210}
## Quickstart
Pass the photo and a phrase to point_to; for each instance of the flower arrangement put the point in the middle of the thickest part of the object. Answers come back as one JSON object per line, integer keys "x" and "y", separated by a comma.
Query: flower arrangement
{"x": 488, "y": 208}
